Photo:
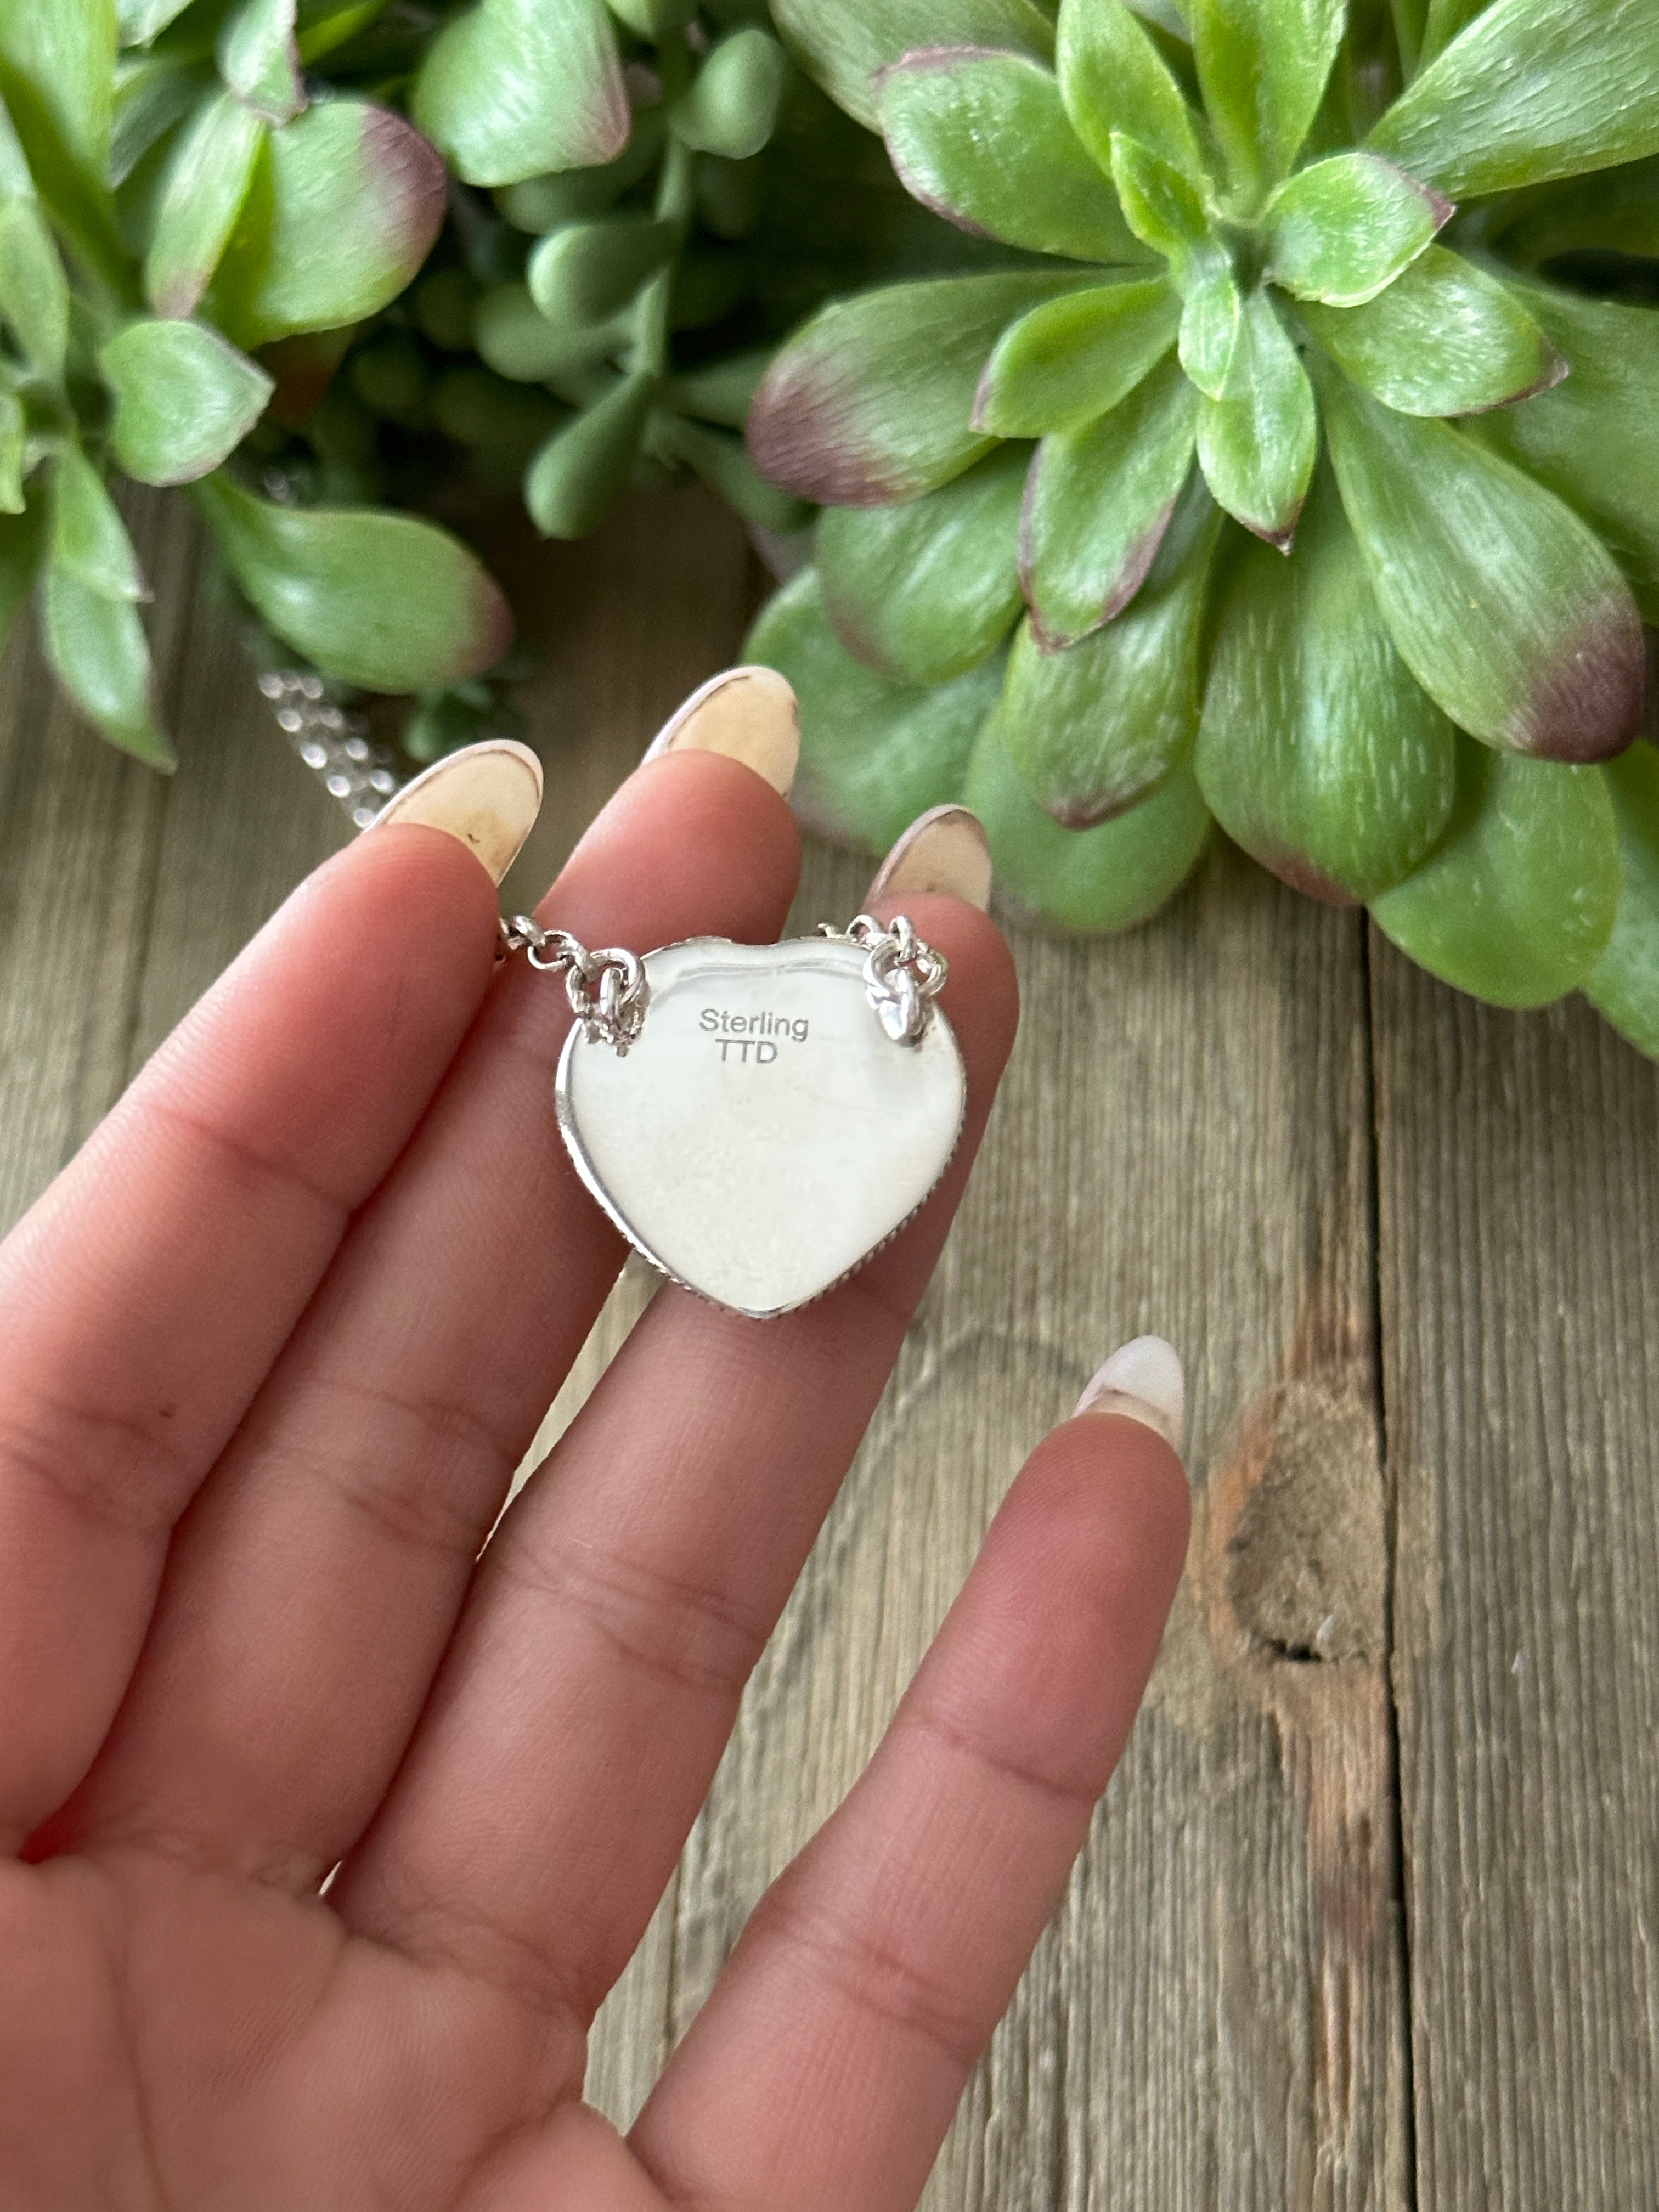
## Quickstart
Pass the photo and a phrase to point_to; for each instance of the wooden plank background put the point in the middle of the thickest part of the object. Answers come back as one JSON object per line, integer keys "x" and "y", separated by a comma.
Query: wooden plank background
{"x": 1371, "y": 1915}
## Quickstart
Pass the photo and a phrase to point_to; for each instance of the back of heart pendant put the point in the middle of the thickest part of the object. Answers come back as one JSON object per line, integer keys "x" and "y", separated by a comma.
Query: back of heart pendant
{"x": 764, "y": 1133}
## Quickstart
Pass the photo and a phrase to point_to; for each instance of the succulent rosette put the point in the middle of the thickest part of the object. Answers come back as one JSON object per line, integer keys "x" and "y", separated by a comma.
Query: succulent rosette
{"x": 1297, "y": 469}
{"x": 178, "y": 213}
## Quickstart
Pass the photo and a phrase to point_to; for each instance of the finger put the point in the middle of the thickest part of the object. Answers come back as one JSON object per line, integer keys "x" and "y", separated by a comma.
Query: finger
{"x": 825, "y": 2067}
{"x": 149, "y": 1291}
{"x": 312, "y": 1588}
{"x": 580, "y": 1713}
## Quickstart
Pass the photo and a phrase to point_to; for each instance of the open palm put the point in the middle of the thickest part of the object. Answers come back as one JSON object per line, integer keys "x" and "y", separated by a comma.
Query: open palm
{"x": 273, "y": 1346}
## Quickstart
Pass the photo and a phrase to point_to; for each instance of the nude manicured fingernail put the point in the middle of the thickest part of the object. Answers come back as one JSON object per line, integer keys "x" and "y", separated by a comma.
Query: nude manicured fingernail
{"x": 488, "y": 795}
{"x": 942, "y": 850}
{"x": 749, "y": 715}
{"x": 1142, "y": 1381}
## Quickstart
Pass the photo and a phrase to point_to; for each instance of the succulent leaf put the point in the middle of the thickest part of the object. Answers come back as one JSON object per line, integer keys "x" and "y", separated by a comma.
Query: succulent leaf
{"x": 1093, "y": 729}
{"x": 1258, "y": 444}
{"x": 1623, "y": 985}
{"x": 844, "y": 47}
{"x": 515, "y": 339}
{"x": 1112, "y": 77}
{"x": 584, "y": 272}
{"x": 539, "y": 204}
{"x": 184, "y": 399}
{"x": 872, "y": 401}
{"x": 1505, "y": 607}
{"x": 1263, "y": 66}
{"x": 984, "y": 139}
{"x": 208, "y": 181}
{"x": 573, "y": 479}
{"x": 1211, "y": 322}
{"x": 1162, "y": 204}
{"x": 513, "y": 88}
{"x": 259, "y": 58}
{"x": 1445, "y": 339}
{"x": 1594, "y": 439}
{"x": 97, "y": 648}
{"x": 730, "y": 106}
{"x": 874, "y": 754}
{"x": 1111, "y": 877}
{"x": 1343, "y": 229}
{"x": 1516, "y": 904}
{"x": 385, "y": 600}
{"x": 1531, "y": 90}
{"x": 13, "y": 444}
{"x": 57, "y": 78}
{"x": 1318, "y": 752}
{"x": 344, "y": 207}
{"x": 89, "y": 539}
{"x": 924, "y": 592}
{"x": 1071, "y": 360}
{"x": 1098, "y": 503}
{"x": 34, "y": 295}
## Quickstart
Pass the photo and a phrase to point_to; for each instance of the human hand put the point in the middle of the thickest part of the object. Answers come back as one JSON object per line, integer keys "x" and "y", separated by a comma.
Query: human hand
{"x": 274, "y": 1344}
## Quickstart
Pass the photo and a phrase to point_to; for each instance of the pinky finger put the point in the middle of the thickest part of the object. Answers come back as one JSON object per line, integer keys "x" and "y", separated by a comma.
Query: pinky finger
{"x": 825, "y": 2067}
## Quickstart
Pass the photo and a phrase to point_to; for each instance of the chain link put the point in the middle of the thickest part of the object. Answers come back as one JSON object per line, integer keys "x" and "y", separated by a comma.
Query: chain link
{"x": 903, "y": 975}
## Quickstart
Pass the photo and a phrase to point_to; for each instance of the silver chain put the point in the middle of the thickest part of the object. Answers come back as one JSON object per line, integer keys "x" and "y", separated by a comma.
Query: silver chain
{"x": 608, "y": 993}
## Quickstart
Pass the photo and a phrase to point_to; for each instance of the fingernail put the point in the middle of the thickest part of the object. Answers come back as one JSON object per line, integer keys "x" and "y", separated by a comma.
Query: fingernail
{"x": 749, "y": 715}
{"x": 1142, "y": 1381}
{"x": 488, "y": 795}
{"x": 942, "y": 850}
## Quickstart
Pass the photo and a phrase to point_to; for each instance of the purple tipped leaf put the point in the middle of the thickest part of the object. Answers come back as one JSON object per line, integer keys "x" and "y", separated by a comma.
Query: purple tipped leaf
{"x": 1507, "y": 609}
{"x": 1517, "y": 902}
{"x": 982, "y": 139}
{"x": 1445, "y": 339}
{"x": 1075, "y": 358}
{"x": 1623, "y": 985}
{"x": 259, "y": 58}
{"x": 1531, "y": 90}
{"x": 511, "y": 88}
{"x": 847, "y": 45}
{"x": 1112, "y": 77}
{"x": 872, "y": 402}
{"x": 208, "y": 180}
{"x": 1263, "y": 66}
{"x": 184, "y": 399}
{"x": 1097, "y": 503}
{"x": 344, "y": 205}
{"x": 385, "y": 600}
{"x": 1343, "y": 229}
{"x": 1259, "y": 442}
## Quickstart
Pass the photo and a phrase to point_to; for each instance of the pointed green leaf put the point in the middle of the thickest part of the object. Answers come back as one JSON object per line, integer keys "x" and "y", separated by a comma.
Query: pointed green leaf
{"x": 1319, "y": 753}
{"x": 183, "y": 399}
{"x": 515, "y": 339}
{"x": 1615, "y": 211}
{"x": 1531, "y": 89}
{"x": 345, "y": 204}
{"x": 385, "y": 600}
{"x": 19, "y": 562}
{"x": 570, "y": 484}
{"x": 1086, "y": 881}
{"x": 1594, "y": 439}
{"x": 1112, "y": 77}
{"x": 208, "y": 180}
{"x": 872, "y": 402}
{"x": 1516, "y": 904}
{"x": 1093, "y": 729}
{"x": 583, "y": 272}
{"x": 1445, "y": 339}
{"x": 983, "y": 140}
{"x": 924, "y": 592}
{"x": 844, "y": 46}
{"x": 1343, "y": 229}
{"x": 34, "y": 297}
{"x": 1097, "y": 503}
{"x": 1502, "y": 605}
{"x": 1211, "y": 322}
{"x": 1161, "y": 205}
{"x": 89, "y": 540}
{"x": 511, "y": 88}
{"x": 874, "y": 754}
{"x": 1258, "y": 445}
{"x": 1075, "y": 358}
{"x": 258, "y": 58}
{"x": 97, "y": 648}
{"x": 1263, "y": 66}
{"x": 731, "y": 107}
{"x": 1623, "y": 985}
{"x": 14, "y": 440}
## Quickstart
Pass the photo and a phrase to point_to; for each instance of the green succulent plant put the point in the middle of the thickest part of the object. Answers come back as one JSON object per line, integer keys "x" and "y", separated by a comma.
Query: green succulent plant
{"x": 180, "y": 219}
{"x": 1286, "y": 474}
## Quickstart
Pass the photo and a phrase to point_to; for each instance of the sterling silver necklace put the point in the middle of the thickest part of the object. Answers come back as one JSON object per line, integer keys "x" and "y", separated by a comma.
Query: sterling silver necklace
{"x": 756, "y": 1118}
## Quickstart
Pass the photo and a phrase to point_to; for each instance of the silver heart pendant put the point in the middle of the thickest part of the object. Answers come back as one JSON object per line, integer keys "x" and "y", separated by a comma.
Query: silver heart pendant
{"x": 765, "y": 1132}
